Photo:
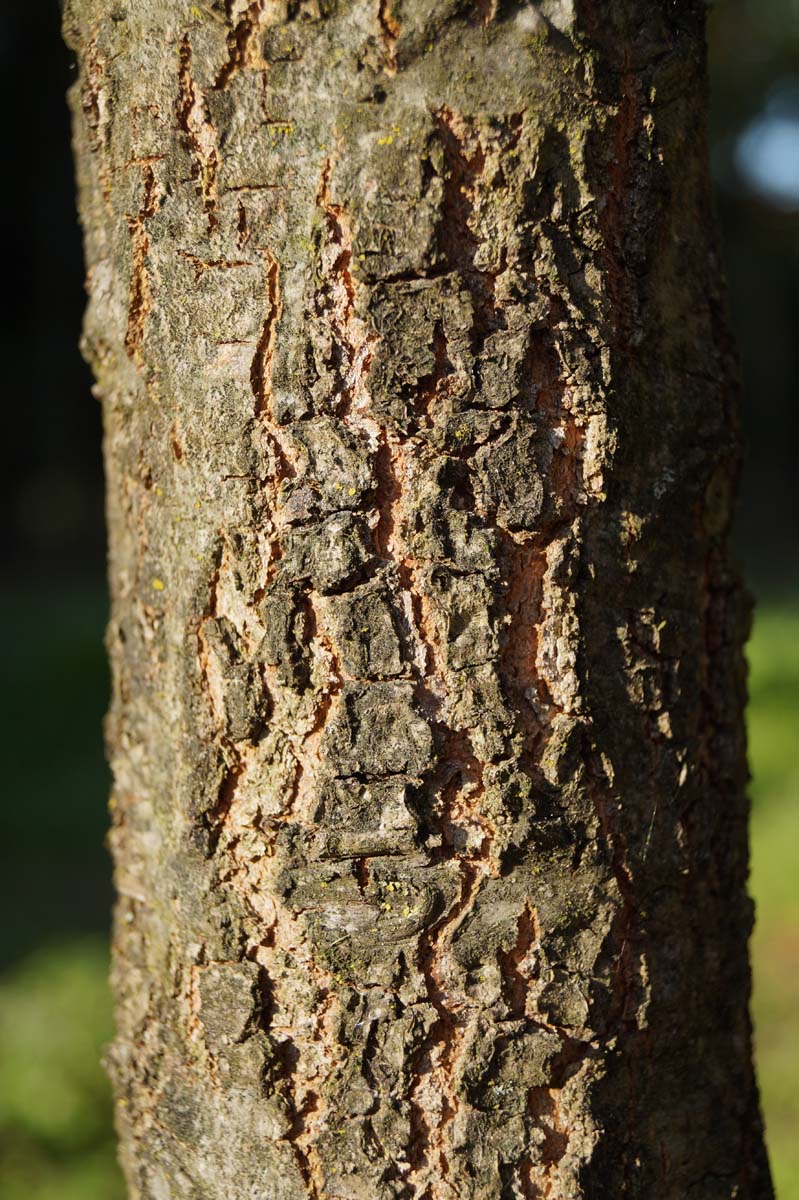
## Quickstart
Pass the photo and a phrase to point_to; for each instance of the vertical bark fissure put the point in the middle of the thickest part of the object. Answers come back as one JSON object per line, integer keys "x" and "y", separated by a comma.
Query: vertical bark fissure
{"x": 242, "y": 44}
{"x": 141, "y": 299}
{"x": 390, "y": 30}
{"x": 194, "y": 120}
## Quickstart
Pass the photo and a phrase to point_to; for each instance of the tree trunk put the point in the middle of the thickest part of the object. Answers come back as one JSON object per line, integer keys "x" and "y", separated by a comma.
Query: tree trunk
{"x": 429, "y": 818}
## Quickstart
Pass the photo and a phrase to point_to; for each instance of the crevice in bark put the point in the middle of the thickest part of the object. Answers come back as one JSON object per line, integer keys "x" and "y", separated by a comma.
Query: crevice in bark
{"x": 458, "y": 779}
{"x": 195, "y": 122}
{"x": 308, "y": 750}
{"x": 261, "y": 369}
{"x": 522, "y": 604}
{"x": 95, "y": 100}
{"x": 352, "y": 341}
{"x": 243, "y": 45}
{"x": 225, "y": 800}
{"x": 242, "y": 227}
{"x": 201, "y": 265}
{"x": 465, "y": 161}
{"x": 390, "y": 30}
{"x": 487, "y": 10}
{"x": 430, "y": 386}
{"x": 517, "y": 972}
{"x": 141, "y": 299}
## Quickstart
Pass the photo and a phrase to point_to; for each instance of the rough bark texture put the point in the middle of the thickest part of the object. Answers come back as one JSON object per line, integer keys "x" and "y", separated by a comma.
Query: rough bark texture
{"x": 429, "y": 818}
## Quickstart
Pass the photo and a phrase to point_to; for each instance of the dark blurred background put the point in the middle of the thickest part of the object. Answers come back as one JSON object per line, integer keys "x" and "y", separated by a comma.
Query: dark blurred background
{"x": 55, "y": 1137}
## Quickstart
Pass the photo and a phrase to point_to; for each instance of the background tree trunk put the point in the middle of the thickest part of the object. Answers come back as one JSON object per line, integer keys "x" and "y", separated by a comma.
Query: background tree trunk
{"x": 429, "y": 818}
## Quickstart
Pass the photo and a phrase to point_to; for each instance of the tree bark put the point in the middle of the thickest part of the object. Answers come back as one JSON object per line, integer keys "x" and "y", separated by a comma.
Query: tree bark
{"x": 429, "y": 818}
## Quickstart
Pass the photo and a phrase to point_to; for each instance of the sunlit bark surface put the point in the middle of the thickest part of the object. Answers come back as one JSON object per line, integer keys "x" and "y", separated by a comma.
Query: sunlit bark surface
{"x": 429, "y": 818}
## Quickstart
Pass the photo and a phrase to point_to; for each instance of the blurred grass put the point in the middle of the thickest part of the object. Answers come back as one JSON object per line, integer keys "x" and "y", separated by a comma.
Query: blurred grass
{"x": 56, "y": 1141}
{"x": 55, "y": 1136}
{"x": 774, "y": 760}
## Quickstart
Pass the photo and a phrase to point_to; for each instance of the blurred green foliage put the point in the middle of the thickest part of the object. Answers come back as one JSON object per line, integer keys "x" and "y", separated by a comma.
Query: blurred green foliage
{"x": 56, "y": 1140}
{"x": 773, "y": 743}
{"x": 53, "y": 821}
{"x": 754, "y": 52}
{"x": 55, "y": 1014}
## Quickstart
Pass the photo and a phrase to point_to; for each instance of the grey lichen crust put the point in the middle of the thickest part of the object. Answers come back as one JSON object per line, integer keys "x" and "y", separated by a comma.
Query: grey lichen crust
{"x": 429, "y": 818}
